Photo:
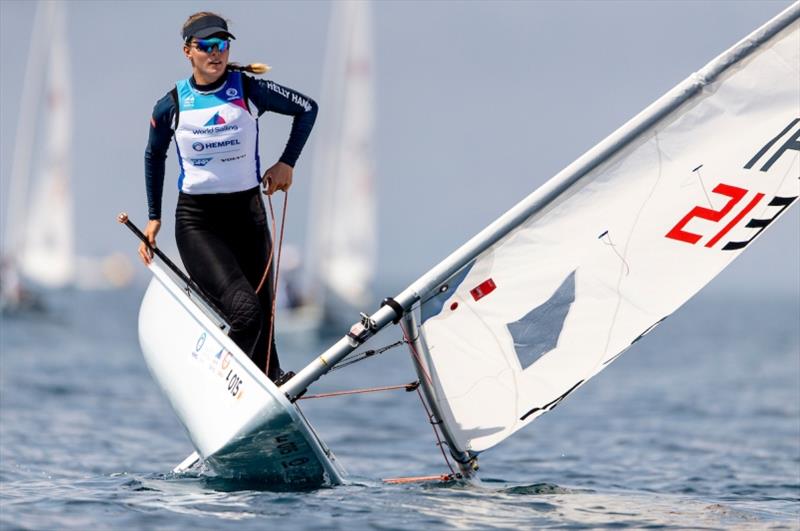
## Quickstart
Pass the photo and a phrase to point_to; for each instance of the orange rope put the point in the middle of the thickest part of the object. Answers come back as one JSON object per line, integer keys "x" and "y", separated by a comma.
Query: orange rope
{"x": 277, "y": 272}
{"x": 415, "y": 479}
{"x": 277, "y": 268}
{"x": 271, "y": 249}
{"x": 407, "y": 387}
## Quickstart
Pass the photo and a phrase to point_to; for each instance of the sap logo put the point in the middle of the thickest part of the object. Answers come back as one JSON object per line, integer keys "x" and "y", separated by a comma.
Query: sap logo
{"x": 202, "y": 161}
{"x": 198, "y": 146}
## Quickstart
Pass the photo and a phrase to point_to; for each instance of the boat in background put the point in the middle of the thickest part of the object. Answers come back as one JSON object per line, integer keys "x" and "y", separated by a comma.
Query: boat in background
{"x": 39, "y": 244}
{"x": 341, "y": 243}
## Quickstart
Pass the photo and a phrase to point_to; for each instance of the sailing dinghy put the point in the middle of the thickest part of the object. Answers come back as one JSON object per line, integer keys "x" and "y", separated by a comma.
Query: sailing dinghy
{"x": 39, "y": 225}
{"x": 547, "y": 296}
{"x": 38, "y": 249}
{"x": 236, "y": 418}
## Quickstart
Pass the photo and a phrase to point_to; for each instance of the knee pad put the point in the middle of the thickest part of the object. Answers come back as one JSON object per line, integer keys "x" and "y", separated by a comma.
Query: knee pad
{"x": 244, "y": 310}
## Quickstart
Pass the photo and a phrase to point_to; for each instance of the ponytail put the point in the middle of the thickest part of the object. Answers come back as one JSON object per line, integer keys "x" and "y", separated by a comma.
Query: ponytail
{"x": 253, "y": 68}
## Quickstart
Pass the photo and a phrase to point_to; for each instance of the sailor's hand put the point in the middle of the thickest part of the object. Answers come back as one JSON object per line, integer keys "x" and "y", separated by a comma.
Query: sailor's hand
{"x": 278, "y": 177}
{"x": 150, "y": 231}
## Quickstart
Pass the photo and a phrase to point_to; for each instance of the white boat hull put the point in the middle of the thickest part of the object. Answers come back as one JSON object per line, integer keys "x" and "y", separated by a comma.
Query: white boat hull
{"x": 239, "y": 422}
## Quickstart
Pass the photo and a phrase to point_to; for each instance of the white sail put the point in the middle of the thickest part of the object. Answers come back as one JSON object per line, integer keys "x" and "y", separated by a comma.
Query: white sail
{"x": 611, "y": 246}
{"x": 46, "y": 250}
{"x": 342, "y": 244}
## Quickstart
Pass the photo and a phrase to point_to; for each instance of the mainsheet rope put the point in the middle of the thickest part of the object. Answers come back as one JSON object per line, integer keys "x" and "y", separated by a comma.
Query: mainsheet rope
{"x": 277, "y": 268}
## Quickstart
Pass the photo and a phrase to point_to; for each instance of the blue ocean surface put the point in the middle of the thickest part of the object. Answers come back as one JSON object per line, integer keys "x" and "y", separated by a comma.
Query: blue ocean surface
{"x": 696, "y": 426}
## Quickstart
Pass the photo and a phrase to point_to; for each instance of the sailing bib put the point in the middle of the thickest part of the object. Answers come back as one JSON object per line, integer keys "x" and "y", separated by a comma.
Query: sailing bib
{"x": 217, "y": 139}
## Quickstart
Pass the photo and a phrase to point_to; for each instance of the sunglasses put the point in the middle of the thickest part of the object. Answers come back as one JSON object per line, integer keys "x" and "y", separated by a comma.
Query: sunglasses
{"x": 208, "y": 45}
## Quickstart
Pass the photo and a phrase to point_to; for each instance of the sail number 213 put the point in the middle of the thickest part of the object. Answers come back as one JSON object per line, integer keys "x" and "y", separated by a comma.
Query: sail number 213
{"x": 735, "y": 196}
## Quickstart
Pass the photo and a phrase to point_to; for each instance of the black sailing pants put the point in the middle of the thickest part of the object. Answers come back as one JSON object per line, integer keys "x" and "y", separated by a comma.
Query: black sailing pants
{"x": 224, "y": 243}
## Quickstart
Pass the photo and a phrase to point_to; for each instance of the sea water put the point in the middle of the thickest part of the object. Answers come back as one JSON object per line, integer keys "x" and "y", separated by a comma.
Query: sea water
{"x": 697, "y": 426}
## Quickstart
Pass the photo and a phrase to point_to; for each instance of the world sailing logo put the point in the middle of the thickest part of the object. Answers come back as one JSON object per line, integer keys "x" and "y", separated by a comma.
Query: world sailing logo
{"x": 216, "y": 124}
{"x": 215, "y": 120}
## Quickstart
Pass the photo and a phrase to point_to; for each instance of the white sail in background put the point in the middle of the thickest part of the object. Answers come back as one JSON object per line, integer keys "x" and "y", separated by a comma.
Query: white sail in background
{"x": 616, "y": 242}
{"x": 39, "y": 241}
{"x": 46, "y": 250}
{"x": 342, "y": 241}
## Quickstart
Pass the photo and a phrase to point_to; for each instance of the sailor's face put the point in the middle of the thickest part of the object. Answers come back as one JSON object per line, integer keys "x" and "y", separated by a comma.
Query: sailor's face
{"x": 209, "y": 63}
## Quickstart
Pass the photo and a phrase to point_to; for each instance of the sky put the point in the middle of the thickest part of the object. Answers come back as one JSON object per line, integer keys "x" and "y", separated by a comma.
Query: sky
{"x": 478, "y": 104}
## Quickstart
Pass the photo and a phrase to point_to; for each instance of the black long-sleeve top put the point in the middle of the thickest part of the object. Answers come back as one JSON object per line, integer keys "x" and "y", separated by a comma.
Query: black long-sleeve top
{"x": 264, "y": 95}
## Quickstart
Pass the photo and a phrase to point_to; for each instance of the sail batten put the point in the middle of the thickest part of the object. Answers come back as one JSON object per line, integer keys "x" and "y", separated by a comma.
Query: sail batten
{"x": 548, "y": 295}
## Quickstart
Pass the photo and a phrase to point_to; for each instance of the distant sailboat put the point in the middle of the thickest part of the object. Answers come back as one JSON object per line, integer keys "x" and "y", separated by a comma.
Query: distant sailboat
{"x": 47, "y": 252}
{"x": 342, "y": 243}
{"x": 39, "y": 243}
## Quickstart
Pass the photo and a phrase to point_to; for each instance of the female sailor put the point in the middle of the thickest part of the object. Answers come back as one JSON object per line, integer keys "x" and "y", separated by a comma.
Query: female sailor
{"x": 220, "y": 222}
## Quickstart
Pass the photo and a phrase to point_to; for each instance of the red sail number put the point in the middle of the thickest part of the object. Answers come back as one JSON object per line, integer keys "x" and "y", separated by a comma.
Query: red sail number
{"x": 735, "y": 194}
